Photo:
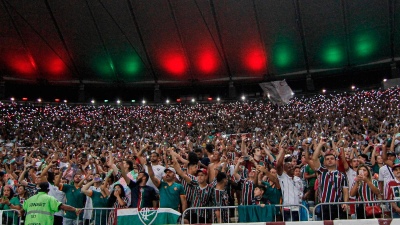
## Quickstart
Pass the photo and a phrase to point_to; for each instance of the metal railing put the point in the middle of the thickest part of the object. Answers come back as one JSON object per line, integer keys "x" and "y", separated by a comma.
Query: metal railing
{"x": 361, "y": 210}
{"x": 9, "y": 217}
{"x": 97, "y": 216}
{"x": 230, "y": 214}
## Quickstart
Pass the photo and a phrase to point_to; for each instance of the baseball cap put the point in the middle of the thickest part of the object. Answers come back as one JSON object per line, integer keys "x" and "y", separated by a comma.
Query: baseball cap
{"x": 396, "y": 165}
{"x": 204, "y": 171}
{"x": 44, "y": 187}
{"x": 391, "y": 153}
{"x": 170, "y": 169}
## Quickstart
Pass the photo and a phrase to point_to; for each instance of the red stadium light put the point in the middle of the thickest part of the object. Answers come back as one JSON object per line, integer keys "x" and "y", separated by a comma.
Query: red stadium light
{"x": 174, "y": 63}
{"x": 255, "y": 60}
{"x": 24, "y": 99}
{"x": 209, "y": 99}
{"x": 57, "y": 100}
{"x": 178, "y": 100}
{"x": 207, "y": 62}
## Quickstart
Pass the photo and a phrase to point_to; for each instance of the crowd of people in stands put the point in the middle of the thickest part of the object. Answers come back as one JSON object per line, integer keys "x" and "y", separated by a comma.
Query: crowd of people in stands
{"x": 323, "y": 149}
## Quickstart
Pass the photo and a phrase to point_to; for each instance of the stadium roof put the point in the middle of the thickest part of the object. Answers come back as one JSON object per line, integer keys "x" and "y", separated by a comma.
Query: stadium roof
{"x": 179, "y": 42}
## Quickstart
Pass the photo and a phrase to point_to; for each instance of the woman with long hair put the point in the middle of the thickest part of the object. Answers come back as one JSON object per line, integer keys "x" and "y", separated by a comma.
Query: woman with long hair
{"x": 117, "y": 200}
{"x": 8, "y": 202}
{"x": 364, "y": 189}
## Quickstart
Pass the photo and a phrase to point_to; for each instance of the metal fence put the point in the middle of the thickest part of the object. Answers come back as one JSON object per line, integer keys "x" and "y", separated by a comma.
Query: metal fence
{"x": 97, "y": 216}
{"x": 9, "y": 217}
{"x": 355, "y": 210}
{"x": 230, "y": 214}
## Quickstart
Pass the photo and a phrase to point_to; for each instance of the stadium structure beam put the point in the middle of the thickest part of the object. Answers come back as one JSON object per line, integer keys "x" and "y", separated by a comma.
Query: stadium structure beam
{"x": 61, "y": 36}
{"x": 266, "y": 75}
{"x": 110, "y": 61}
{"x": 180, "y": 39}
{"x": 346, "y": 30}
{"x": 24, "y": 44}
{"x": 214, "y": 13}
{"x": 137, "y": 27}
{"x": 300, "y": 26}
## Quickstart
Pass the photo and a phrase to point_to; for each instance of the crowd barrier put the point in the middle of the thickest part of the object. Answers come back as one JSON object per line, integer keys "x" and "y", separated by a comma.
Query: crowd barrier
{"x": 97, "y": 216}
{"x": 242, "y": 214}
{"x": 354, "y": 210}
{"x": 9, "y": 217}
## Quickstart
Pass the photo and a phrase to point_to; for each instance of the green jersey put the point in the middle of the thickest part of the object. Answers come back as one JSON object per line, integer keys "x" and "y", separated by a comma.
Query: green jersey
{"x": 11, "y": 215}
{"x": 40, "y": 209}
{"x": 99, "y": 201}
{"x": 170, "y": 196}
{"x": 74, "y": 198}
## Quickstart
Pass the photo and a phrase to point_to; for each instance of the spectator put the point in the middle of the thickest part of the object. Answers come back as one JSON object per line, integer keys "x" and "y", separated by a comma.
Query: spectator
{"x": 172, "y": 194}
{"x": 364, "y": 189}
{"x": 291, "y": 186}
{"x": 220, "y": 198}
{"x": 142, "y": 195}
{"x": 116, "y": 200}
{"x": 333, "y": 185}
{"x": 394, "y": 191}
{"x": 7, "y": 202}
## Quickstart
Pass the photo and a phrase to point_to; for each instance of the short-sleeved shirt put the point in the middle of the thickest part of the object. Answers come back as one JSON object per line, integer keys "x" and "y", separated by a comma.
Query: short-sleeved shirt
{"x": 393, "y": 190}
{"x": 331, "y": 184}
{"x": 99, "y": 201}
{"x": 40, "y": 209}
{"x": 170, "y": 195}
{"x": 292, "y": 189}
{"x": 385, "y": 175}
{"x": 158, "y": 172}
{"x": 365, "y": 193}
{"x": 272, "y": 194}
{"x": 74, "y": 198}
{"x": 141, "y": 196}
{"x": 11, "y": 214}
{"x": 310, "y": 171}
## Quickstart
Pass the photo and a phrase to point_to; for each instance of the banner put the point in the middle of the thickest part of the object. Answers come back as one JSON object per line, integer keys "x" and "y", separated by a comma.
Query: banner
{"x": 147, "y": 216}
{"x": 278, "y": 92}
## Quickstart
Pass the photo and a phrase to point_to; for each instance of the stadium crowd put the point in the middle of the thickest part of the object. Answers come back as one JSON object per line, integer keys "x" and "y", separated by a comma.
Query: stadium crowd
{"x": 326, "y": 148}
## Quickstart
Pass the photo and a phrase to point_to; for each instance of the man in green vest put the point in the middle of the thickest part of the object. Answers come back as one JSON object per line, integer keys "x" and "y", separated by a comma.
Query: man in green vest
{"x": 41, "y": 207}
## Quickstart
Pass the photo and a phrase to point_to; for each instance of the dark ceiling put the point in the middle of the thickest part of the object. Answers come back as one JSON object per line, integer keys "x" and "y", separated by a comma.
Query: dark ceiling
{"x": 180, "y": 42}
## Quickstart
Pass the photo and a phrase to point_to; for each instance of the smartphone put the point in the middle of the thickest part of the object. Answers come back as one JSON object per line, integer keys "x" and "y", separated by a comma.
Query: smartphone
{"x": 361, "y": 172}
{"x": 97, "y": 179}
{"x": 246, "y": 158}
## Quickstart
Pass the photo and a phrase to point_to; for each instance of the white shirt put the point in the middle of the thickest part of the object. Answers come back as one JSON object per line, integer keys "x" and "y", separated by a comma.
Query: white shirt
{"x": 158, "y": 172}
{"x": 385, "y": 175}
{"x": 292, "y": 190}
{"x": 59, "y": 195}
{"x": 351, "y": 176}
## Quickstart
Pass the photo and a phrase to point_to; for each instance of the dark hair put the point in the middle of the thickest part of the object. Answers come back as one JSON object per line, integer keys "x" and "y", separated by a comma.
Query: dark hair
{"x": 365, "y": 156}
{"x": 158, "y": 155}
{"x": 221, "y": 176}
{"x": 261, "y": 187}
{"x": 11, "y": 192}
{"x": 112, "y": 199}
{"x": 198, "y": 150}
{"x": 193, "y": 159}
{"x": 50, "y": 176}
{"x": 130, "y": 163}
{"x": 146, "y": 175}
{"x": 210, "y": 148}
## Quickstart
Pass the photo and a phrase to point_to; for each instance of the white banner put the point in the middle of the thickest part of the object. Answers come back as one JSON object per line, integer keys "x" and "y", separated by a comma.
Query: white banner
{"x": 278, "y": 92}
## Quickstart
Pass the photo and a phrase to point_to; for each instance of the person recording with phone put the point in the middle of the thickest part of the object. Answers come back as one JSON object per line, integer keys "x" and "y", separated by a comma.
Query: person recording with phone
{"x": 364, "y": 189}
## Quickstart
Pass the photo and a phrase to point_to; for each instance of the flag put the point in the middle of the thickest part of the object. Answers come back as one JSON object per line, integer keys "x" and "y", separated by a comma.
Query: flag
{"x": 278, "y": 92}
{"x": 147, "y": 216}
